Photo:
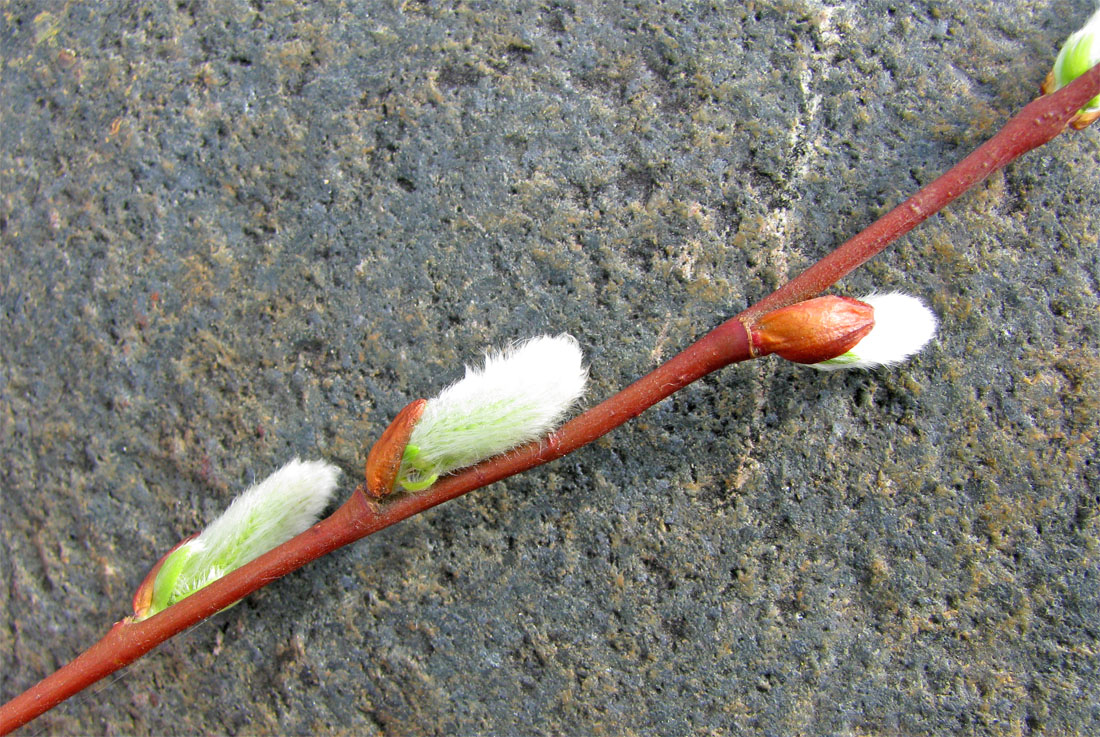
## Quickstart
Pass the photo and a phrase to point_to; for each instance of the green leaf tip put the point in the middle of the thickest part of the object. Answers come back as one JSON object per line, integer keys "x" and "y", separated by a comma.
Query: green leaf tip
{"x": 1080, "y": 53}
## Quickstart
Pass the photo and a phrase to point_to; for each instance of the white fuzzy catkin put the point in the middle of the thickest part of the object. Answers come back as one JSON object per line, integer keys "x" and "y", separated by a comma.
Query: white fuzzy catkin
{"x": 520, "y": 394}
{"x": 903, "y": 325}
{"x": 286, "y": 503}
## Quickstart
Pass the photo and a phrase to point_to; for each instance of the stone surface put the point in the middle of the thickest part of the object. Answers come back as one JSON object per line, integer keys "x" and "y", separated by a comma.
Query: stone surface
{"x": 234, "y": 233}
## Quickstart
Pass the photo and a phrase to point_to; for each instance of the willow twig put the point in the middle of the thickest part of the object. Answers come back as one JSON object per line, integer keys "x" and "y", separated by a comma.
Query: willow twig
{"x": 1038, "y": 122}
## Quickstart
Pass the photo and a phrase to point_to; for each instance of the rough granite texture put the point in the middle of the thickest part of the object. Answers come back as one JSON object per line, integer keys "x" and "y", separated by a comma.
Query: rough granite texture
{"x": 234, "y": 233}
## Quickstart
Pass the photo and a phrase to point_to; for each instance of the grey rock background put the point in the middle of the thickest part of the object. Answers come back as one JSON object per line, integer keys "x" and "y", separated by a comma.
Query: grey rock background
{"x": 234, "y": 233}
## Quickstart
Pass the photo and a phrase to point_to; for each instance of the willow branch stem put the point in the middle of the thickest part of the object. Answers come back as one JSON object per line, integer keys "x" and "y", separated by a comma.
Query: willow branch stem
{"x": 1038, "y": 122}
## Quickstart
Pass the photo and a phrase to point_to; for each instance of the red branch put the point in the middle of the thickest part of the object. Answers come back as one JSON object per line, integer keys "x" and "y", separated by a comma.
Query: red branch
{"x": 1039, "y": 122}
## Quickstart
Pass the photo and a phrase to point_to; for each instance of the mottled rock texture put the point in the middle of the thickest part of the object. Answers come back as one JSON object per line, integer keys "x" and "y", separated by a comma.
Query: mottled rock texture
{"x": 234, "y": 233}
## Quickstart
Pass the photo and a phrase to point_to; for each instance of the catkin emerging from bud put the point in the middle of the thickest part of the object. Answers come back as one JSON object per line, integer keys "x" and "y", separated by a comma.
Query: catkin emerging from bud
{"x": 286, "y": 503}
{"x": 903, "y": 325}
{"x": 1080, "y": 53}
{"x": 519, "y": 395}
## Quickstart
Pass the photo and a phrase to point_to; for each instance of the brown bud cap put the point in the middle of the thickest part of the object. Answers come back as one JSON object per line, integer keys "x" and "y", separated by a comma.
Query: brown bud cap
{"x": 1050, "y": 84}
{"x": 143, "y": 597}
{"x": 815, "y": 330}
{"x": 384, "y": 458}
{"x": 1083, "y": 120}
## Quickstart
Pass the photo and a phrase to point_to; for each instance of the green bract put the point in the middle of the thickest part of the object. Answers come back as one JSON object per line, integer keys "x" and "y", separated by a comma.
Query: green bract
{"x": 1080, "y": 53}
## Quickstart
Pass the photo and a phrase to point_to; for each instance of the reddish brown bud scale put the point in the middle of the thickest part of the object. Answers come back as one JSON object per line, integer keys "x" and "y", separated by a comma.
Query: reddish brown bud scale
{"x": 384, "y": 458}
{"x": 143, "y": 597}
{"x": 814, "y": 330}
